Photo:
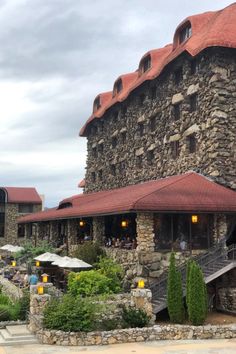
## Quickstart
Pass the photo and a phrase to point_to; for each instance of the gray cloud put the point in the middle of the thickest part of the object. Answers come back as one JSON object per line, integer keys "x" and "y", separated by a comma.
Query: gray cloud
{"x": 67, "y": 51}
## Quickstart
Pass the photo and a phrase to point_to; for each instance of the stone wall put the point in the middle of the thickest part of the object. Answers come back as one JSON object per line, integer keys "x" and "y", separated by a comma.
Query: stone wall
{"x": 226, "y": 292}
{"x": 170, "y": 332}
{"x": 145, "y": 130}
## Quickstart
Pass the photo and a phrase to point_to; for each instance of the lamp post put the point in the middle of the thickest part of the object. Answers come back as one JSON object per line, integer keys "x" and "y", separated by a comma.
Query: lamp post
{"x": 44, "y": 278}
{"x": 40, "y": 289}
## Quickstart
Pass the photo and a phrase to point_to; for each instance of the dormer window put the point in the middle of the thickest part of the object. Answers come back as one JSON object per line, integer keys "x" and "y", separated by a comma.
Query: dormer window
{"x": 96, "y": 104}
{"x": 185, "y": 33}
{"x": 145, "y": 64}
{"x": 118, "y": 87}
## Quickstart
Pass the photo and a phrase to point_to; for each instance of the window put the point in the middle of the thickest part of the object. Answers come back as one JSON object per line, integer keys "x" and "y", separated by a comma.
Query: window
{"x": 176, "y": 112}
{"x": 114, "y": 141}
{"x": 123, "y": 137}
{"x": 185, "y": 33}
{"x": 94, "y": 152}
{"x": 150, "y": 156}
{"x": 141, "y": 129}
{"x": 118, "y": 86}
{"x": 152, "y": 124}
{"x": 116, "y": 113}
{"x": 178, "y": 76}
{"x": 65, "y": 205}
{"x": 175, "y": 149}
{"x": 100, "y": 148}
{"x": 193, "y": 102}
{"x": 113, "y": 170}
{"x": 93, "y": 176}
{"x": 2, "y": 196}
{"x": 153, "y": 92}
{"x": 192, "y": 144}
{"x": 194, "y": 67}
{"x": 21, "y": 231}
{"x": 142, "y": 98}
{"x": 25, "y": 208}
{"x": 96, "y": 104}
{"x": 146, "y": 64}
{"x": 124, "y": 110}
{"x": 100, "y": 175}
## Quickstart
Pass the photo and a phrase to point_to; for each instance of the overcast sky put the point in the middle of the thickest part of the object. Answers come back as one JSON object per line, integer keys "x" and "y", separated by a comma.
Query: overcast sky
{"x": 55, "y": 57}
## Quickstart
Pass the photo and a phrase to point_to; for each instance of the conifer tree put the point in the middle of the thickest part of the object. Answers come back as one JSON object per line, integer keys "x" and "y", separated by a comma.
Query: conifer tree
{"x": 174, "y": 293}
{"x": 196, "y": 296}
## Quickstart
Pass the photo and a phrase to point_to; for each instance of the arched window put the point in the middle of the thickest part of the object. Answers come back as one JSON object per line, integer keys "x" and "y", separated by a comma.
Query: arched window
{"x": 118, "y": 87}
{"x": 65, "y": 205}
{"x": 96, "y": 104}
{"x": 185, "y": 33}
{"x": 145, "y": 64}
{"x": 2, "y": 196}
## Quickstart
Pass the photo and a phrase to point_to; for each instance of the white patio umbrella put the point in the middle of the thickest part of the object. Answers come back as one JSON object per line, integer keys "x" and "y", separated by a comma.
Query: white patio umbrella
{"x": 68, "y": 262}
{"x": 47, "y": 257}
{"x": 12, "y": 248}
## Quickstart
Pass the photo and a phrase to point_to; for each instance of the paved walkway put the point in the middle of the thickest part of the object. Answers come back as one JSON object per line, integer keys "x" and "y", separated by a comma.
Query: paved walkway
{"x": 161, "y": 347}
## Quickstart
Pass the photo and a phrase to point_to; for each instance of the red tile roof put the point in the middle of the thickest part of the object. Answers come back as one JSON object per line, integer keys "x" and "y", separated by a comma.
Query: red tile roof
{"x": 22, "y": 195}
{"x": 209, "y": 29}
{"x": 189, "y": 192}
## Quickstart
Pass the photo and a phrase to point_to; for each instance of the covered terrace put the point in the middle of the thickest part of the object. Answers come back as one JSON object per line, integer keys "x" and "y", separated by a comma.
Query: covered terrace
{"x": 184, "y": 212}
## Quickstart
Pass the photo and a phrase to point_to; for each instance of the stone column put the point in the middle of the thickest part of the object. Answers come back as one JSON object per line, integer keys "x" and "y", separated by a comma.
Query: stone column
{"x": 145, "y": 233}
{"x": 99, "y": 229}
{"x": 142, "y": 299}
{"x": 220, "y": 227}
{"x": 53, "y": 232}
{"x": 72, "y": 234}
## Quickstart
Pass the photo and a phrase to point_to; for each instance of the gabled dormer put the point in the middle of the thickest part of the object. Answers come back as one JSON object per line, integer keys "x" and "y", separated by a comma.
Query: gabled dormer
{"x": 96, "y": 104}
{"x": 118, "y": 87}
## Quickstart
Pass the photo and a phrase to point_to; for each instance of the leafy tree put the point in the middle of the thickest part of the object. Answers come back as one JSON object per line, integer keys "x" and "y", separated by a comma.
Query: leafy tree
{"x": 174, "y": 293}
{"x": 89, "y": 252}
{"x": 197, "y": 295}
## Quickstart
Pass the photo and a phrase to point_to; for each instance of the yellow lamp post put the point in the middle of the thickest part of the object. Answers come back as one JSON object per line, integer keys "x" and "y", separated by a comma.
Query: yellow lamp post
{"x": 37, "y": 263}
{"x": 40, "y": 289}
{"x": 124, "y": 223}
{"x": 141, "y": 284}
{"x": 13, "y": 263}
{"x": 45, "y": 278}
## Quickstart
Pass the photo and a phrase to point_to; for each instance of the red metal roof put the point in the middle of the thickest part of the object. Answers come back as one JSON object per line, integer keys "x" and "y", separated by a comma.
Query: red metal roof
{"x": 22, "y": 195}
{"x": 209, "y": 29}
{"x": 185, "y": 193}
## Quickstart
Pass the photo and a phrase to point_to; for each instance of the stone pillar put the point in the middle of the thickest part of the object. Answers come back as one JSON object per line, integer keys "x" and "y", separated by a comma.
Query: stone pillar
{"x": 220, "y": 228}
{"x": 99, "y": 229}
{"x": 37, "y": 305}
{"x": 53, "y": 232}
{"x": 72, "y": 234}
{"x": 142, "y": 299}
{"x": 145, "y": 233}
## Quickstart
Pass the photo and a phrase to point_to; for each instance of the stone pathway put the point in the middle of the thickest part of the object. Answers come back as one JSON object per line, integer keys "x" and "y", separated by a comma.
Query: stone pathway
{"x": 223, "y": 346}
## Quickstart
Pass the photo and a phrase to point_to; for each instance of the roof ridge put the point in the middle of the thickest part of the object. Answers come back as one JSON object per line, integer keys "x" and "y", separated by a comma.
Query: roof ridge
{"x": 179, "y": 179}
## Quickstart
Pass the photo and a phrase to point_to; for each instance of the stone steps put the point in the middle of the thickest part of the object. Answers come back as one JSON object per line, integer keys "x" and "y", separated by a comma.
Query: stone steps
{"x": 18, "y": 334}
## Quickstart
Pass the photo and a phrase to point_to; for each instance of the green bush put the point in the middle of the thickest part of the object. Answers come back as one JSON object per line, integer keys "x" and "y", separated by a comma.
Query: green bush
{"x": 4, "y": 300}
{"x": 70, "y": 314}
{"x": 5, "y": 312}
{"x": 89, "y": 283}
{"x": 89, "y": 252}
{"x": 197, "y": 295}
{"x": 111, "y": 270}
{"x": 107, "y": 325}
{"x": 133, "y": 317}
{"x": 174, "y": 293}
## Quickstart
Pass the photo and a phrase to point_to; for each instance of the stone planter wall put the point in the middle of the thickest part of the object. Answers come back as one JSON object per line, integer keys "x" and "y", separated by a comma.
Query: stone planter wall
{"x": 169, "y": 332}
{"x": 226, "y": 299}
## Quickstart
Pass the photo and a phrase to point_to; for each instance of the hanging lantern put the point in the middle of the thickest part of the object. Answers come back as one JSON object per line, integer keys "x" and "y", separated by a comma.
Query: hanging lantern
{"x": 124, "y": 223}
{"x": 141, "y": 284}
{"x": 82, "y": 223}
{"x": 194, "y": 219}
{"x": 37, "y": 263}
{"x": 44, "y": 278}
{"x": 13, "y": 263}
{"x": 40, "y": 289}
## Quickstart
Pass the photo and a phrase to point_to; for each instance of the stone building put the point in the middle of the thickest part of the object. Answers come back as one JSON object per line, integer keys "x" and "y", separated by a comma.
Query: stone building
{"x": 16, "y": 202}
{"x": 161, "y": 159}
